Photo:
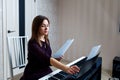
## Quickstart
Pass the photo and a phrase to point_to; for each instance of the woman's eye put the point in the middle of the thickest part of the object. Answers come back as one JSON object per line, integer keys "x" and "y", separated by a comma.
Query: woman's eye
{"x": 43, "y": 26}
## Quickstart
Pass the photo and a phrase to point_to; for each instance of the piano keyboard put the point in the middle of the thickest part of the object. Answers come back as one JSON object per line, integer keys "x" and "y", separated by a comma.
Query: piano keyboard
{"x": 59, "y": 74}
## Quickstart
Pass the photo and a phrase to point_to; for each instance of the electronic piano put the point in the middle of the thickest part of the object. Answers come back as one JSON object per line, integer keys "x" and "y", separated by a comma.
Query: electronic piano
{"x": 91, "y": 72}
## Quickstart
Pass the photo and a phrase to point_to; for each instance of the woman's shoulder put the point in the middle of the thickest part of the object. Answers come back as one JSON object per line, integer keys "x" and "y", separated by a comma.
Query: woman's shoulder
{"x": 32, "y": 41}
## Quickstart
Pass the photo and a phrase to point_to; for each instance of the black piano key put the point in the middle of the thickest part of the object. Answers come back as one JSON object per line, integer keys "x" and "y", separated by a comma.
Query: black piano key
{"x": 59, "y": 76}
{"x": 52, "y": 78}
{"x": 76, "y": 74}
{"x": 64, "y": 73}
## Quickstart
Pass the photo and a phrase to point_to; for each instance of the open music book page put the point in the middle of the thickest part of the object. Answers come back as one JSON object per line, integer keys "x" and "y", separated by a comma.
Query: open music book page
{"x": 94, "y": 51}
{"x": 63, "y": 49}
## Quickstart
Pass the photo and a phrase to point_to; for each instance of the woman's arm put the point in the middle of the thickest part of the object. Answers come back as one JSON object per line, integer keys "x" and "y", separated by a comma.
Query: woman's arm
{"x": 71, "y": 70}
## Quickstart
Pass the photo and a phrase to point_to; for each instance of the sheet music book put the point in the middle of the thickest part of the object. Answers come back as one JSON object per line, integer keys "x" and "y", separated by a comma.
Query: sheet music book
{"x": 63, "y": 49}
{"x": 95, "y": 50}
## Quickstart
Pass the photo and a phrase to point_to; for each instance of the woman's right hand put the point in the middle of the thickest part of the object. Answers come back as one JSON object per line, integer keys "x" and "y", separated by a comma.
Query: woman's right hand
{"x": 73, "y": 69}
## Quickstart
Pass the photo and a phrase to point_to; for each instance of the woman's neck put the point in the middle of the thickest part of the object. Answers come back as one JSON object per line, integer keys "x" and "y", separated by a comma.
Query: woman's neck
{"x": 42, "y": 38}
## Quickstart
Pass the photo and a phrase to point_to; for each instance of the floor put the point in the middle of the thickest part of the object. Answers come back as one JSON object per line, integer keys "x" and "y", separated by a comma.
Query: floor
{"x": 105, "y": 74}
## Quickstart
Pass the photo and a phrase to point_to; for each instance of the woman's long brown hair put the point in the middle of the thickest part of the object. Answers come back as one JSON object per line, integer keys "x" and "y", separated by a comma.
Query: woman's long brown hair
{"x": 37, "y": 22}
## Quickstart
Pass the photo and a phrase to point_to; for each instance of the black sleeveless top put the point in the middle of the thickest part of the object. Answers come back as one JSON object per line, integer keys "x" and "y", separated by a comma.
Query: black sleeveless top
{"x": 38, "y": 61}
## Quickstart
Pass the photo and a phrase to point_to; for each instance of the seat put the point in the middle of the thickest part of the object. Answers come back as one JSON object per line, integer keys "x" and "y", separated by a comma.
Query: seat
{"x": 17, "y": 53}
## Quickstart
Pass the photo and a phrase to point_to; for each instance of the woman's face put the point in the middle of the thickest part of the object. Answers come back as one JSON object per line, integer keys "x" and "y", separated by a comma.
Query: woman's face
{"x": 44, "y": 28}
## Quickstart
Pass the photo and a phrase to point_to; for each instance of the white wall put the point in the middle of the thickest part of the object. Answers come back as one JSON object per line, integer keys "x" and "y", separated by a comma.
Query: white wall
{"x": 30, "y": 13}
{"x": 91, "y": 22}
{"x": 1, "y": 55}
{"x": 50, "y": 8}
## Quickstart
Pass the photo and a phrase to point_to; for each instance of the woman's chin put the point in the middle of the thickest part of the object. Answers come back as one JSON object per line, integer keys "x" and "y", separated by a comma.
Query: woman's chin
{"x": 46, "y": 34}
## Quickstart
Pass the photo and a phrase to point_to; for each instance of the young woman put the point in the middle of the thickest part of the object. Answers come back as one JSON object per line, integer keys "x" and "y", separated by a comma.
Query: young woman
{"x": 39, "y": 52}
